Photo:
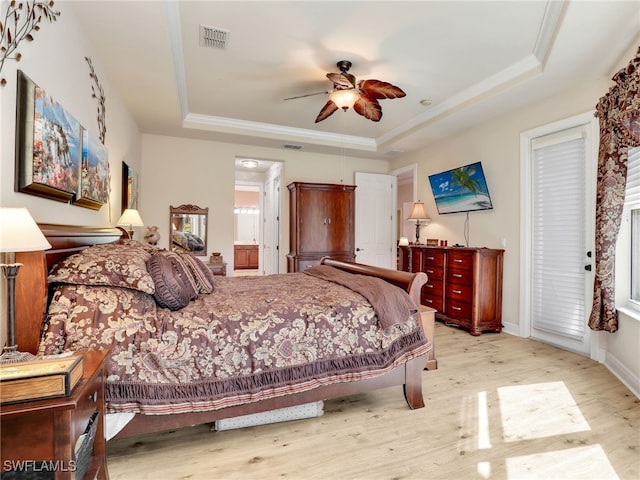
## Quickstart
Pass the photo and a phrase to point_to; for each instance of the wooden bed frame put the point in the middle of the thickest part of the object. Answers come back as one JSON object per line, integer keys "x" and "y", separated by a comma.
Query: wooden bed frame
{"x": 32, "y": 296}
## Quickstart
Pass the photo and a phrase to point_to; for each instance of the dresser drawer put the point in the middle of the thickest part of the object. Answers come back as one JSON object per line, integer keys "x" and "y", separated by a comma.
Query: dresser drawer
{"x": 433, "y": 287}
{"x": 457, "y": 309}
{"x": 460, "y": 259}
{"x": 434, "y": 273}
{"x": 459, "y": 277}
{"x": 459, "y": 292}
{"x": 432, "y": 258}
{"x": 433, "y": 301}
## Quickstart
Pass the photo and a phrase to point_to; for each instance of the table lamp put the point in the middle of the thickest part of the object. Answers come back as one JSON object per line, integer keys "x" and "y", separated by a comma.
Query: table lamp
{"x": 130, "y": 218}
{"x": 18, "y": 233}
{"x": 419, "y": 213}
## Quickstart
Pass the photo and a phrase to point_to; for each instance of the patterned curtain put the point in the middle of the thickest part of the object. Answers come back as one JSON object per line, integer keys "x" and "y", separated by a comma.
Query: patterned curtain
{"x": 618, "y": 113}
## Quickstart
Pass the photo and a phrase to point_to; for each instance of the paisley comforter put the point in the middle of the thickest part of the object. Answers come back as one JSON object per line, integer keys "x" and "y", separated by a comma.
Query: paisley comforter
{"x": 251, "y": 338}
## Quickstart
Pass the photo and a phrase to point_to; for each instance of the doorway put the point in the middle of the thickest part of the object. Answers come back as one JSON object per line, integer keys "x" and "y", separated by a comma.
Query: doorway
{"x": 256, "y": 216}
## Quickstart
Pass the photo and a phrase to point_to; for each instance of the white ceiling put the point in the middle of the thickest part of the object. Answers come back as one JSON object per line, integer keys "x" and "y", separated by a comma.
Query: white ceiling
{"x": 472, "y": 59}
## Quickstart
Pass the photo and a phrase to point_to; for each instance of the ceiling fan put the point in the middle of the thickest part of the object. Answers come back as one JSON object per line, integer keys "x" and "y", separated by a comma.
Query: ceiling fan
{"x": 363, "y": 95}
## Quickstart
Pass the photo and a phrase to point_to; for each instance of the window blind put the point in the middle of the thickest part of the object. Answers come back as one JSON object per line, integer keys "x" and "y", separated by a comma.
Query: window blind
{"x": 632, "y": 192}
{"x": 558, "y": 243}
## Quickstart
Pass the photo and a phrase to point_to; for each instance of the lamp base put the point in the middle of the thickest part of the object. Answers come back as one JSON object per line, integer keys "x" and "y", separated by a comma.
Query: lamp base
{"x": 418, "y": 233}
{"x": 12, "y": 355}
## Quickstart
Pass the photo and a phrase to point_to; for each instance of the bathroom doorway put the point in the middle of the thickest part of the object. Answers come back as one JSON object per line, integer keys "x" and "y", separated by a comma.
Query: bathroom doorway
{"x": 257, "y": 217}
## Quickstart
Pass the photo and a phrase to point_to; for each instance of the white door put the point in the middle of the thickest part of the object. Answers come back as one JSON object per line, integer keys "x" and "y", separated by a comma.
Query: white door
{"x": 375, "y": 219}
{"x": 560, "y": 240}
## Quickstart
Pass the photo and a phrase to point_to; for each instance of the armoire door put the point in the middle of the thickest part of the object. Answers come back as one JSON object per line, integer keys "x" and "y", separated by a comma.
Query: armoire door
{"x": 313, "y": 221}
{"x": 338, "y": 220}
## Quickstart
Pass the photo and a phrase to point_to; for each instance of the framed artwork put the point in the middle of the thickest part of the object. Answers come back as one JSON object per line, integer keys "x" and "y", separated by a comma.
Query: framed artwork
{"x": 432, "y": 242}
{"x": 48, "y": 145}
{"x": 94, "y": 173}
{"x": 129, "y": 187}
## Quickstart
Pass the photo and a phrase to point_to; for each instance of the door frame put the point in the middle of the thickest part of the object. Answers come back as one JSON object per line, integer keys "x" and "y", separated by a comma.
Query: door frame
{"x": 590, "y": 123}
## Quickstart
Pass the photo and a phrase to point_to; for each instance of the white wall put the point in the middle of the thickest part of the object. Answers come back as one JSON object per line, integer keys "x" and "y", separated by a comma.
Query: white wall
{"x": 177, "y": 171}
{"x": 496, "y": 144}
{"x": 55, "y": 61}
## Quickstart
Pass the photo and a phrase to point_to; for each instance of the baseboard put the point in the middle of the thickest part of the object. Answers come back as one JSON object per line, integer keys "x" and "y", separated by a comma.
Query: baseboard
{"x": 623, "y": 374}
{"x": 511, "y": 329}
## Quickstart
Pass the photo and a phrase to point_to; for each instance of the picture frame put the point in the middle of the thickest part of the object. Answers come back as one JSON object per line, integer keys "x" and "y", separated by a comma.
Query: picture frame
{"x": 129, "y": 188}
{"x": 432, "y": 242}
{"x": 93, "y": 191}
{"x": 48, "y": 145}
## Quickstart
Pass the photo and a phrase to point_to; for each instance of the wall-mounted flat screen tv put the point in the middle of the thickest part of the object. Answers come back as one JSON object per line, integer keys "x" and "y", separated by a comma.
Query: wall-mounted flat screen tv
{"x": 462, "y": 189}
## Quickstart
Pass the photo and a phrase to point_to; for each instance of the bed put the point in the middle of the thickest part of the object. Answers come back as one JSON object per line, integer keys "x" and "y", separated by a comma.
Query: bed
{"x": 148, "y": 376}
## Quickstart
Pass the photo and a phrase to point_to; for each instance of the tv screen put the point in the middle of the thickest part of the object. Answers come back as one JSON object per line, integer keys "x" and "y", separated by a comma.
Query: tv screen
{"x": 463, "y": 189}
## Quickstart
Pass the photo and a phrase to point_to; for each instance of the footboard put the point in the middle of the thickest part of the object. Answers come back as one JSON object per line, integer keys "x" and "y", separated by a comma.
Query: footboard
{"x": 411, "y": 282}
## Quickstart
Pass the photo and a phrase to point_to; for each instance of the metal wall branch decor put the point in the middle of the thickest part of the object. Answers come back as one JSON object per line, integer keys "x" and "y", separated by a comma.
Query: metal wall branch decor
{"x": 97, "y": 92}
{"x": 21, "y": 20}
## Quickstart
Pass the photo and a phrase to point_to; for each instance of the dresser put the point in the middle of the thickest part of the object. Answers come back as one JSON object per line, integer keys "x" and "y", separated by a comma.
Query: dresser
{"x": 464, "y": 284}
{"x": 39, "y": 437}
{"x": 321, "y": 223}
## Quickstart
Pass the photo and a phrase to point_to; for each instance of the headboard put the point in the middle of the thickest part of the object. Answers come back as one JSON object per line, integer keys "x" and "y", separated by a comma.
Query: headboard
{"x": 31, "y": 283}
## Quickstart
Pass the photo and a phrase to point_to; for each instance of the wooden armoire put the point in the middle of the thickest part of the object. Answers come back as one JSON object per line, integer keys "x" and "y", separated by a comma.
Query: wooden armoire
{"x": 321, "y": 223}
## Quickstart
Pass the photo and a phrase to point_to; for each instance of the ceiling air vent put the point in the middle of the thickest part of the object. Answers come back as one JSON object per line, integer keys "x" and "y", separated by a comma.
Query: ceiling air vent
{"x": 213, "y": 37}
{"x": 291, "y": 146}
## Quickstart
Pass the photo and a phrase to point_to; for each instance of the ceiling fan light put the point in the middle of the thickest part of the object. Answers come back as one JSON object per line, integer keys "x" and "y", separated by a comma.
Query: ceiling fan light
{"x": 344, "y": 99}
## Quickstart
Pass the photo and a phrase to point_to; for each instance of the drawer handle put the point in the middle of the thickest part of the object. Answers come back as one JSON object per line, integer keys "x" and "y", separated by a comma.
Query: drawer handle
{"x": 429, "y": 271}
{"x": 457, "y": 291}
{"x": 429, "y": 300}
{"x": 458, "y": 309}
{"x": 457, "y": 275}
{"x": 430, "y": 258}
{"x": 429, "y": 286}
{"x": 457, "y": 260}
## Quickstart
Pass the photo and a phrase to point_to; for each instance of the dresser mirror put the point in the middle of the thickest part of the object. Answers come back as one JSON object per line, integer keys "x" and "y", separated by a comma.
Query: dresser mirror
{"x": 188, "y": 224}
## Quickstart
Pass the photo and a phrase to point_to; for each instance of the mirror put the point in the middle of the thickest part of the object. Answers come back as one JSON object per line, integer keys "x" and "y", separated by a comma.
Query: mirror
{"x": 188, "y": 224}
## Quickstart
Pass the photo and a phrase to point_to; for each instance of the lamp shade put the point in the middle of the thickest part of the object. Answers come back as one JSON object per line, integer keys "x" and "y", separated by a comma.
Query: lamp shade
{"x": 418, "y": 212}
{"x": 344, "y": 98}
{"x": 130, "y": 218}
{"x": 19, "y": 232}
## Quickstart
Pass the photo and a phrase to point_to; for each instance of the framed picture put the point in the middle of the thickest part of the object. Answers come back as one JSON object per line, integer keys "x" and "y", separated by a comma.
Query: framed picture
{"x": 432, "y": 242}
{"x": 129, "y": 187}
{"x": 48, "y": 145}
{"x": 94, "y": 173}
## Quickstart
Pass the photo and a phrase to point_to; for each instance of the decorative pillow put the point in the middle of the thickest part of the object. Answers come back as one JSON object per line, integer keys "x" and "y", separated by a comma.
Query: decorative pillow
{"x": 183, "y": 270}
{"x": 173, "y": 289}
{"x": 202, "y": 274}
{"x": 118, "y": 264}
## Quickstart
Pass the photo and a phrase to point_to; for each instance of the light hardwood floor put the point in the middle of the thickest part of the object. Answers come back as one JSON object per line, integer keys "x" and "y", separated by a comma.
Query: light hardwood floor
{"x": 498, "y": 407}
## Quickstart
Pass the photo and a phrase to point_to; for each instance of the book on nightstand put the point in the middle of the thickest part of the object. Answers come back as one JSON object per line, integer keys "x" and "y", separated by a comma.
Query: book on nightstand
{"x": 39, "y": 379}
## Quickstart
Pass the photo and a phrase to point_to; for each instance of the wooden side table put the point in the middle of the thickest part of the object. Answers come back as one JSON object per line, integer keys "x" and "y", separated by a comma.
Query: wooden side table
{"x": 219, "y": 268}
{"x": 40, "y": 436}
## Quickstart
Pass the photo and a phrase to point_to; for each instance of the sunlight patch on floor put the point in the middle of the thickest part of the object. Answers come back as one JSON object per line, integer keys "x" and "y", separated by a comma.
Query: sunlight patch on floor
{"x": 574, "y": 463}
{"x": 539, "y": 410}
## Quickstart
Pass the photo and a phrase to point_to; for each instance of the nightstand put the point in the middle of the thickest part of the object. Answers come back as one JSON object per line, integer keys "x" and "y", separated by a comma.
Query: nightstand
{"x": 219, "y": 268}
{"x": 39, "y": 437}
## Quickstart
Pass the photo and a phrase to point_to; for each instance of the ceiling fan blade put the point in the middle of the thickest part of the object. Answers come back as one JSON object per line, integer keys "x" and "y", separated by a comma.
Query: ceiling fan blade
{"x": 369, "y": 108}
{"x": 308, "y": 95}
{"x": 327, "y": 110}
{"x": 380, "y": 89}
{"x": 342, "y": 79}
